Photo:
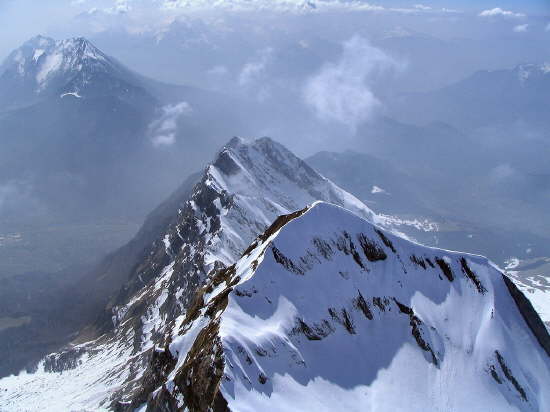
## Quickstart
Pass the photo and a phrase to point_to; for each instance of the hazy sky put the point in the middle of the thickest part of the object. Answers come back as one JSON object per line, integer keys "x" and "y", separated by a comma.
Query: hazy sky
{"x": 22, "y": 19}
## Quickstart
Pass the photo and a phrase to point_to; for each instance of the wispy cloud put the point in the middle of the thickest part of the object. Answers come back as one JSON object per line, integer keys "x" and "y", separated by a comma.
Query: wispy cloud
{"x": 219, "y": 70}
{"x": 341, "y": 91}
{"x": 254, "y": 68}
{"x": 17, "y": 195}
{"x": 252, "y": 75}
{"x": 498, "y": 12}
{"x": 422, "y": 7}
{"x": 521, "y": 28}
{"x": 502, "y": 172}
{"x": 163, "y": 130}
{"x": 120, "y": 6}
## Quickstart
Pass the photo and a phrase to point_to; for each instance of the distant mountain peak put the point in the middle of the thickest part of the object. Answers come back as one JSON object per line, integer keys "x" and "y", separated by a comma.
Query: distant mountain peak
{"x": 42, "y": 57}
{"x": 43, "y": 67}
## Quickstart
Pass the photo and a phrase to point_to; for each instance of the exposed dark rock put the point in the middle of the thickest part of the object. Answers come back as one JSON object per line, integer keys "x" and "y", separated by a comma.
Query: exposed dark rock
{"x": 323, "y": 248}
{"x": 372, "y": 251}
{"x": 199, "y": 378}
{"x": 279, "y": 223}
{"x": 307, "y": 331}
{"x": 430, "y": 262}
{"x": 287, "y": 263}
{"x": 508, "y": 373}
{"x": 416, "y": 328}
{"x": 63, "y": 361}
{"x": 243, "y": 293}
{"x": 385, "y": 239}
{"x": 345, "y": 244}
{"x": 344, "y": 319}
{"x": 377, "y": 301}
{"x": 472, "y": 276}
{"x": 226, "y": 164}
{"x": 445, "y": 268}
{"x": 334, "y": 315}
{"x": 404, "y": 308}
{"x": 161, "y": 363}
{"x": 418, "y": 261}
{"x": 362, "y": 304}
{"x": 494, "y": 374}
{"x": 348, "y": 322}
{"x": 261, "y": 352}
{"x": 529, "y": 314}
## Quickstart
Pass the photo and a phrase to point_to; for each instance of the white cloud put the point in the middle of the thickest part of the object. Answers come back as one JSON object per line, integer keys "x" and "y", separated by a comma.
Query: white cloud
{"x": 498, "y": 12}
{"x": 219, "y": 70}
{"x": 547, "y": 28}
{"x": 164, "y": 140}
{"x": 340, "y": 91}
{"x": 253, "y": 74}
{"x": 292, "y": 6}
{"x": 163, "y": 129}
{"x": 254, "y": 69}
{"x": 521, "y": 28}
{"x": 422, "y": 7}
{"x": 502, "y": 172}
{"x": 272, "y": 5}
{"x": 120, "y": 7}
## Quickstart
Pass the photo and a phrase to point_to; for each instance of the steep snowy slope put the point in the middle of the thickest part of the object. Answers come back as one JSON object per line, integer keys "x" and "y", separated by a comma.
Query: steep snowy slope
{"x": 327, "y": 312}
{"x": 532, "y": 276}
{"x": 240, "y": 194}
{"x": 470, "y": 215}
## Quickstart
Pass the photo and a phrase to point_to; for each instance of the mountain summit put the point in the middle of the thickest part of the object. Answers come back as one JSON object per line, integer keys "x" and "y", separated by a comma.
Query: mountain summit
{"x": 43, "y": 67}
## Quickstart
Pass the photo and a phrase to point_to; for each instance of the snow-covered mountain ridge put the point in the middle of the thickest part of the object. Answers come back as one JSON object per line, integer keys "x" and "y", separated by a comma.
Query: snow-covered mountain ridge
{"x": 245, "y": 188}
{"x": 192, "y": 328}
{"x": 326, "y": 311}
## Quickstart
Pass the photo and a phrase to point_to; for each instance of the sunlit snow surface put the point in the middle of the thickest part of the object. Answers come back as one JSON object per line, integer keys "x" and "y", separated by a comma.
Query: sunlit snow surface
{"x": 378, "y": 365}
{"x": 84, "y": 388}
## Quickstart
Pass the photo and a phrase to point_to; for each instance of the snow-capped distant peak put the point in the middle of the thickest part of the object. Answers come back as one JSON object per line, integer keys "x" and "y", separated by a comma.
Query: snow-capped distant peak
{"x": 45, "y": 65}
{"x": 66, "y": 55}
